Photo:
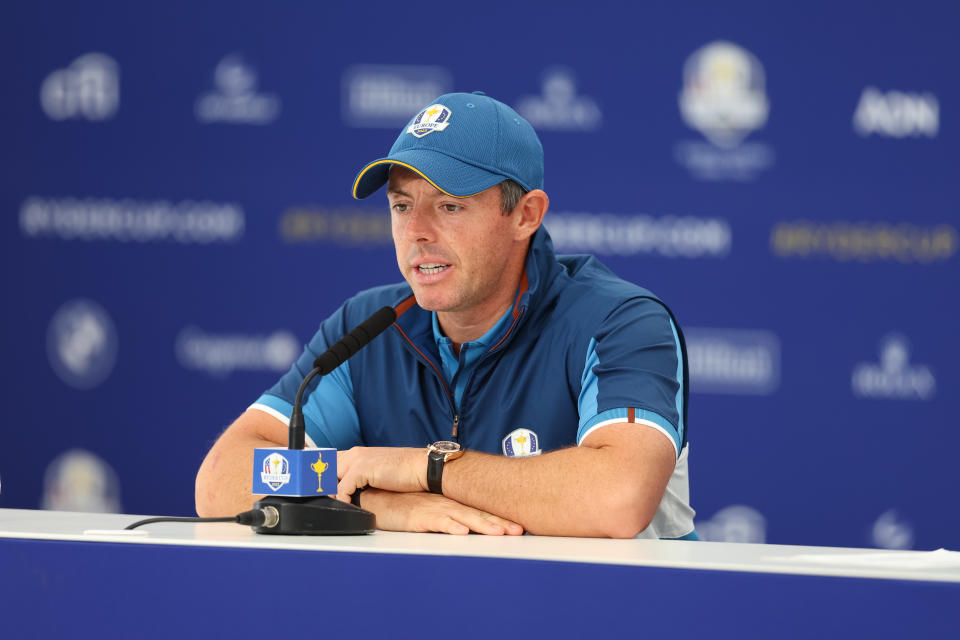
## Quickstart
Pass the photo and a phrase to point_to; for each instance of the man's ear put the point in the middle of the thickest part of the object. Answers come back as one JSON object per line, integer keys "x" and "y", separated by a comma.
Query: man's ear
{"x": 529, "y": 212}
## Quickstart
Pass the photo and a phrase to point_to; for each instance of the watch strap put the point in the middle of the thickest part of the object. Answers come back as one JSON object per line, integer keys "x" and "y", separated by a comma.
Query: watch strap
{"x": 435, "y": 462}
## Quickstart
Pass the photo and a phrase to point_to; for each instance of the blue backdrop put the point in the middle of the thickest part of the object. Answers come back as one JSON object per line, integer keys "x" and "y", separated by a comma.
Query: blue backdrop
{"x": 177, "y": 220}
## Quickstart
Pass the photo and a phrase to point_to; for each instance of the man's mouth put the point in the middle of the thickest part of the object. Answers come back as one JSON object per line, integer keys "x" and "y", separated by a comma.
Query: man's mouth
{"x": 430, "y": 268}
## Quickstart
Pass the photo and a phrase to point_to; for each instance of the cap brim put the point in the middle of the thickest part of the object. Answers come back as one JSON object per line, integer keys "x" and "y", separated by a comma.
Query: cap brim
{"x": 449, "y": 175}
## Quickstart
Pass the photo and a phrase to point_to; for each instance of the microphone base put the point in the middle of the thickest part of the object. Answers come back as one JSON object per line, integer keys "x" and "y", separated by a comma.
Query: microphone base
{"x": 316, "y": 516}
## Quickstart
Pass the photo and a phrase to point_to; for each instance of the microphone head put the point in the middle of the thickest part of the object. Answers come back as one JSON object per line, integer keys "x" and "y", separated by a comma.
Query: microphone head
{"x": 355, "y": 340}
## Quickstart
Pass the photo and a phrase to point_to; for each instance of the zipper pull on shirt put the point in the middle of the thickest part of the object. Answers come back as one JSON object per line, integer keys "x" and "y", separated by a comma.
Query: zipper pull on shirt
{"x": 456, "y": 426}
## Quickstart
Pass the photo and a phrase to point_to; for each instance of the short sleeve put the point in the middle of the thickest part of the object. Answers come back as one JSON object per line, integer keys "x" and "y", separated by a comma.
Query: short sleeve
{"x": 633, "y": 372}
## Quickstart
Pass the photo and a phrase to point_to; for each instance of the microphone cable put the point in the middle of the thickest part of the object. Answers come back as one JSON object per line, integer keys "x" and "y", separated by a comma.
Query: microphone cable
{"x": 267, "y": 517}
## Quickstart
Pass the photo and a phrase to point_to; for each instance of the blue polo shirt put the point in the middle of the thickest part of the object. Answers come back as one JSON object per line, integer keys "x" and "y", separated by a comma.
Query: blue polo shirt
{"x": 331, "y": 416}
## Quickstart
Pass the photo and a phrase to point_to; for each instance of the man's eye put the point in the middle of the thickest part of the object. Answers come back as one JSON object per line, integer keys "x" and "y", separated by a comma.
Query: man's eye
{"x": 401, "y": 208}
{"x": 451, "y": 208}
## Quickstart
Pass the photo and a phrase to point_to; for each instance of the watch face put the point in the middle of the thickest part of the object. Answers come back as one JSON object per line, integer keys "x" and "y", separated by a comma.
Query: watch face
{"x": 445, "y": 446}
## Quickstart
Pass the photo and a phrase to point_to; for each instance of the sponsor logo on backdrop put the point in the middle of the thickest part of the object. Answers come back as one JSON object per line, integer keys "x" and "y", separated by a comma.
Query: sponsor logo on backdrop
{"x": 276, "y": 471}
{"x": 630, "y": 235}
{"x": 733, "y": 361}
{"x": 346, "y": 227}
{"x": 558, "y": 107}
{"x": 864, "y": 241}
{"x": 89, "y": 89}
{"x": 521, "y": 443}
{"x": 223, "y": 354}
{"x": 388, "y": 95}
{"x": 82, "y": 343}
{"x": 724, "y": 98}
{"x": 897, "y": 114}
{"x": 79, "y": 480}
{"x": 893, "y": 376}
{"x": 600, "y": 234}
{"x": 109, "y": 220}
{"x": 235, "y": 99}
{"x": 736, "y": 523}
{"x": 890, "y": 531}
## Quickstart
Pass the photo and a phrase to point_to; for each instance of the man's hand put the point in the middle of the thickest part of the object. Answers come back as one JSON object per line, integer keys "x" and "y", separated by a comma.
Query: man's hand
{"x": 399, "y": 469}
{"x": 426, "y": 512}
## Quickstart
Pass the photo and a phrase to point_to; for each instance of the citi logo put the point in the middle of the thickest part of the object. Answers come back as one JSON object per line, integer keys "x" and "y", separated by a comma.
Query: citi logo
{"x": 89, "y": 89}
{"x": 897, "y": 114}
{"x": 894, "y": 376}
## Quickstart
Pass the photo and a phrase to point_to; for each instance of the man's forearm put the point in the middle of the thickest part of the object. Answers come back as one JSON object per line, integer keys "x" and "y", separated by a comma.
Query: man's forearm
{"x": 223, "y": 482}
{"x": 580, "y": 491}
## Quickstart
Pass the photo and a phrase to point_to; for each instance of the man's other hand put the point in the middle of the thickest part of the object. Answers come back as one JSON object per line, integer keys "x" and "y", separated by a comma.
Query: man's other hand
{"x": 428, "y": 512}
{"x": 392, "y": 468}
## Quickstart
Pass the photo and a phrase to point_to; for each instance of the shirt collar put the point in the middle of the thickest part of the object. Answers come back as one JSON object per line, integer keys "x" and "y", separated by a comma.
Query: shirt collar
{"x": 485, "y": 340}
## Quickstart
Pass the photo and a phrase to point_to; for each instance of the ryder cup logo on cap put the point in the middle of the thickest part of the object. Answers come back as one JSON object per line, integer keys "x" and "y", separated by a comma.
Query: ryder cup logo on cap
{"x": 276, "y": 471}
{"x": 436, "y": 117}
{"x": 479, "y": 143}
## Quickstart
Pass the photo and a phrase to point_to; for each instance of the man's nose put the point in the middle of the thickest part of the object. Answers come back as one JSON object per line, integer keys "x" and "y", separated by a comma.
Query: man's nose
{"x": 420, "y": 224}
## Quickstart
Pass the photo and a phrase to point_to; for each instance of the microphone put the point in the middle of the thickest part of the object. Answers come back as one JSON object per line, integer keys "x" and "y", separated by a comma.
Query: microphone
{"x": 307, "y": 477}
{"x": 355, "y": 340}
{"x": 333, "y": 358}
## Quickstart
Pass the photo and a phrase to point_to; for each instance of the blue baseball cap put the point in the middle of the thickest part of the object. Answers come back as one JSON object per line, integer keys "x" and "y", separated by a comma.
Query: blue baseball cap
{"x": 462, "y": 144}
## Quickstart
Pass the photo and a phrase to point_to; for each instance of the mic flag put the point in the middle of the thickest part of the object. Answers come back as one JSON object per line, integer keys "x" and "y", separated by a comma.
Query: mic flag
{"x": 280, "y": 471}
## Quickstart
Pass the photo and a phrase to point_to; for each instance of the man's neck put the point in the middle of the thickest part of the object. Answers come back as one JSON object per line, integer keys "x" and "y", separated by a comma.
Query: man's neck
{"x": 471, "y": 324}
{"x": 461, "y": 327}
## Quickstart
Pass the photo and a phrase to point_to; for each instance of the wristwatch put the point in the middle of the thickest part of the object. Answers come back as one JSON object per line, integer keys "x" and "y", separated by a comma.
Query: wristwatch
{"x": 438, "y": 454}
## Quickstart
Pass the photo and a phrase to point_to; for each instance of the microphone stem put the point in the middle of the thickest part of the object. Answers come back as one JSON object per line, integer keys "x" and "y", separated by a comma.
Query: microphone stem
{"x": 298, "y": 430}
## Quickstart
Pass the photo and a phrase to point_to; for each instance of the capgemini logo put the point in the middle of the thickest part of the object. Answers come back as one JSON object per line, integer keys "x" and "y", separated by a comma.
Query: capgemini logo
{"x": 82, "y": 344}
{"x": 223, "y": 354}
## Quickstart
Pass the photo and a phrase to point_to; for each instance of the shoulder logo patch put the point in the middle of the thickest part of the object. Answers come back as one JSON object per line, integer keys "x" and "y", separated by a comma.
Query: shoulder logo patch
{"x": 521, "y": 443}
{"x": 436, "y": 117}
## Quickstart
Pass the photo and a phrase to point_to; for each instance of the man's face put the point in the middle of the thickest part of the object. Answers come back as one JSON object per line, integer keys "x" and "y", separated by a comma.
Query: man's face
{"x": 452, "y": 251}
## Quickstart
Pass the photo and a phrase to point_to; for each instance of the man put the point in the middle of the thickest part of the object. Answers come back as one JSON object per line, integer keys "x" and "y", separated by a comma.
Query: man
{"x": 559, "y": 389}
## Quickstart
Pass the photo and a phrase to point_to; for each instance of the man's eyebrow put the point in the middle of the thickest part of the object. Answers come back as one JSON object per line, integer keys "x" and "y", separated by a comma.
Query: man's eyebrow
{"x": 391, "y": 190}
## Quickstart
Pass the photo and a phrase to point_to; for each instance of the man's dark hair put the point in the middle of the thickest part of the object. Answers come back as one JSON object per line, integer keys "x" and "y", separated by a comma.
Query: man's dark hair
{"x": 510, "y": 194}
